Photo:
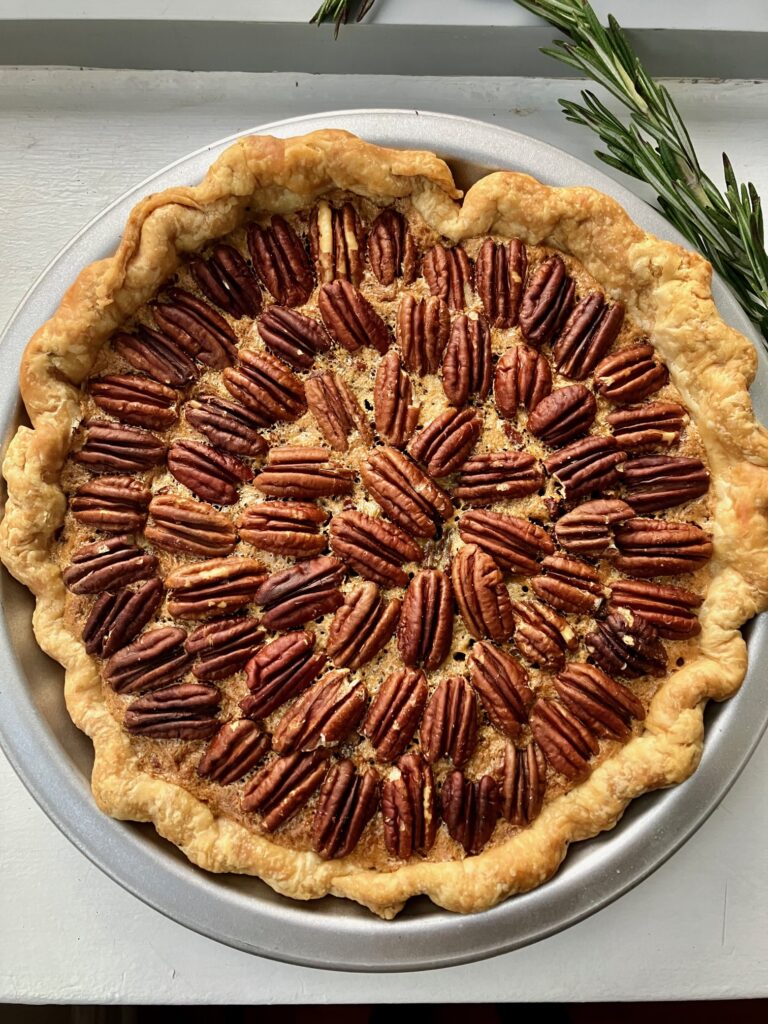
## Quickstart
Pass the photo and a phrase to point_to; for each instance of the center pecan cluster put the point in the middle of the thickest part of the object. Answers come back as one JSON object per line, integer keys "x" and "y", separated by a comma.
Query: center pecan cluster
{"x": 556, "y": 610}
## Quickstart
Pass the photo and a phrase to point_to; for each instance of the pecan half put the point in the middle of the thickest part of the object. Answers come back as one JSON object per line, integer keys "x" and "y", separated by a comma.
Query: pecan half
{"x": 663, "y": 481}
{"x": 196, "y": 328}
{"x": 396, "y": 416}
{"x": 361, "y": 627}
{"x": 373, "y": 547}
{"x": 405, "y": 493}
{"x": 391, "y": 249}
{"x": 567, "y": 742}
{"x": 570, "y": 585}
{"x": 445, "y": 443}
{"x": 409, "y": 808}
{"x": 304, "y": 591}
{"x": 395, "y": 712}
{"x": 294, "y": 471}
{"x": 524, "y": 783}
{"x": 547, "y": 301}
{"x": 236, "y": 748}
{"x": 112, "y": 448}
{"x": 323, "y": 716}
{"x": 426, "y": 620}
{"x": 296, "y": 338}
{"x": 207, "y": 472}
{"x": 155, "y": 659}
{"x": 589, "y": 465}
{"x": 467, "y": 368}
{"x": 229, "y": 425}
{"x": 279, "y": 671}
{"x": 604, "y": 705}
{"x": 281, "y": 788}
{"x": 500, "y": 274}
{"x": 115, "y": 504}
{"x": 223, "y": 647}
{"x": 564, "y": 414}
{"x": 108, "y": 565}
{"x": 630, "y": 374}
{"x": 337, "y": 240}
{"x": 645, "y": 426}
{"x": 670, "y": 610}
{"x": 523, "y": 377}
{"x": 496, "y": 476}
{"x": 627, "y": 644}
{"x": 189, "y": 526}
{"x": 266, "y": 387}
{"x": 481, "y": 595}
{"x": 117, "y": 618}
{"x": 281, "y": 262}
{"x": 515, "y": 544}
{"x": 591, "y": 329}
{"x": 346, "y": 804}
{"x": 337, "y": 411}
{"x": 228, "y": 280}
{"x": 542, "y": 635}
{"x": 217, "y": 586}
{"x": 423, "y": 329}
{"x": 502, "y": 685}
{"x": 350, "y": 319}
{"x": 448, "y": 272}
{"x": 588, "y": 528}
{"x": 157, "y": 356}
{"x": 184, "y": 711}
{"x": 134, "y": 399}
{"x": 657, "y": 547}
{"x": 470, "y": 809}
{"x": 449, "y": 724}
{"x": 284, "y": 527}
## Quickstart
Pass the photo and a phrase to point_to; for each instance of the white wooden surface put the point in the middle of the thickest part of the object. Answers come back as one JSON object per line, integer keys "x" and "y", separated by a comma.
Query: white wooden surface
{"x": 70, "y": 141}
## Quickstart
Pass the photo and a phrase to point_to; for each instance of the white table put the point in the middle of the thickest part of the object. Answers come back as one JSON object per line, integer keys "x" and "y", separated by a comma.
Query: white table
{"x": 70, "y": 141}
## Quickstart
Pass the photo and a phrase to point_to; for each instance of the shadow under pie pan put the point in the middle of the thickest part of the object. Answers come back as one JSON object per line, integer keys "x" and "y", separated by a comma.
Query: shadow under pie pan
{"x": 54, "y": 759}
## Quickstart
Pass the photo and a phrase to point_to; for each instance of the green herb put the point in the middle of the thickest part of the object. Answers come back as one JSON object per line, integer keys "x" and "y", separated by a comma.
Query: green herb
{"x": 338, "y": 12}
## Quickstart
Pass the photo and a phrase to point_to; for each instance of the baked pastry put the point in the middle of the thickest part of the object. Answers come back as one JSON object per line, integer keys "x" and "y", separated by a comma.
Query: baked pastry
{"x": 390, "y": 542}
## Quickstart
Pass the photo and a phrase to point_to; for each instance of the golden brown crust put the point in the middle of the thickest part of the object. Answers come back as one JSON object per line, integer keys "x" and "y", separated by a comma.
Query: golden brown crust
{"x": 667, "y": 292}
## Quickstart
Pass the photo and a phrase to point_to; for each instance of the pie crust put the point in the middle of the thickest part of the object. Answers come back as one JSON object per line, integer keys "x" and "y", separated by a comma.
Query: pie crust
{"x": 666, "y": 292}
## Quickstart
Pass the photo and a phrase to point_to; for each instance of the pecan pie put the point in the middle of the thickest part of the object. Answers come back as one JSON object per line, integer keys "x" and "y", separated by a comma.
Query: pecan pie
{"x": 390, "y": 542}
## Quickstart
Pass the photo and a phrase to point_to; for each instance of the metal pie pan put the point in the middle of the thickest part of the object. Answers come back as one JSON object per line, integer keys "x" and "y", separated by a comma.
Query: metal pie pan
{"x": 54, "y": 759}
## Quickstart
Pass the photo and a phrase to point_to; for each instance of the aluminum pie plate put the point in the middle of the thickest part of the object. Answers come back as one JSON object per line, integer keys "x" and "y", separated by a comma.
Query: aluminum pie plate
{"x": 54, "y": 759}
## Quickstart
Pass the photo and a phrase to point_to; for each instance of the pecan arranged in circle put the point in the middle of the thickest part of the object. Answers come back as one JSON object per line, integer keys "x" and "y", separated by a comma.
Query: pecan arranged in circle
{"x": 235, "y": 749}
{"x": 196, "y": 328}
{"x": 207, "y": 472}
{"x": 656, "y": 482}
{"x": 409, "y": 808}
{"x": 361, "y": 627}
{"x": 323, "y": 716}
{"x": 396, "y": 416}
{"x": 135, "y": 399}
{"x": 627, "y": 644}
{"x": 423, "y": 329}
{"x": 588, "y": 528}
{"x": 184, "y": 711}
{"x": 630, "y": 374}
{"x": 228, "y": 425}
{"x": 481, "y": 595}
{"x": 590, "y": 465}
{"x": 670, "y": 610}
{"x": 112, "y": 448}
{"x": 542, "y": 635}
{"x": 281, "y": 788}
{"x": 659, "y": 547}
{"x": 395, "y": 712}
{"x": 373, "y": 547}
{"x": 116, "y": 618}
{"x": 494, "y": 476}
{"x": 567, "y": 742}
{"x": 467, "y": 368}
{"x": 266, "y": 387}
{"x": 115, "y": 504}
{"x": 284, "y": 527}
{"x": 346, "y": 804}
{"x": 564, "y": 414}
{"x": 523, "y": 784}
{"x": 515, "y": 544}
{"x": 107, "y": 565}
{"x": 350, "y": 319}
{"x": 470, "y": 809}
{"x": 547, "y": 301}
{"x": 645, "y": 426}
{"x": 337, "y": 411}
{"x": 606, "y": 706}
{"x": 426, "y": 620}
{"x": 445, "y": 443}
{"x": 301, "y": 592}
{"x": 448, "y": 272}
{"x": 523, "y": 377}
{"x": 449, "y": 724}
{"x": 223, "y": 647}
{"x": 157, "y": 356}
{"x": 229, "y": 281}
{"x": 405, "y": 493}
{"x": 281, "y": 262}
{"x": 502, "y": 685}
{"x": 217, "y": 586}
{"x": 570, "y": 585}
{"x": 391, "y": 249}
{"x": 189, "y": 526}
{"x": 282, "y": 669}
{"x": 337, "y": 243}
{"x": 500, "y": 274}
{"x": 294, "y": 471}
{"x": 591, "y": 329}
{"x": 296, "y": 338}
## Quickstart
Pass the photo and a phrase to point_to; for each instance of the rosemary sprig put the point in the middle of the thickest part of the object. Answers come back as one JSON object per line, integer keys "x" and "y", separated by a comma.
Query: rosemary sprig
{"x": 338, "y": 12}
